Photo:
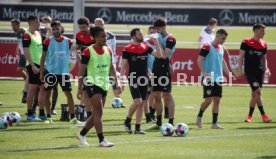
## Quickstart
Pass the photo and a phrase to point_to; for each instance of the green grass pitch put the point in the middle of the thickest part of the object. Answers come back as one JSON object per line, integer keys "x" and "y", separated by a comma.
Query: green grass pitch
{"x": 240, "y": 140}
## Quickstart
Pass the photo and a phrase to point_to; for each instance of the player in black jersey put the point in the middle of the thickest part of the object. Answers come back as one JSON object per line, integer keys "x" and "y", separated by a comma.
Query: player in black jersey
{"x": 253, "y": 57}
{"x": 136, "y": 55}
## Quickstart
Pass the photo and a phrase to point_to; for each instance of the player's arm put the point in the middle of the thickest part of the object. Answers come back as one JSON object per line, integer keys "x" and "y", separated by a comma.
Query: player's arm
{"x": 264, "y": 61}
{"x": 170, "y": 44}
{"x": 203, "y": 53}
{"x": 159, "y": 51}
{"x": 241, "y": 59}
{"x": 43, "y": 57}
{"x": 26, "y": 43}
{"x": 199, "y": 40}
{"x": 200, "y": 60}
{"x": 226, "y": 69}
{"x": 85, "y": 57}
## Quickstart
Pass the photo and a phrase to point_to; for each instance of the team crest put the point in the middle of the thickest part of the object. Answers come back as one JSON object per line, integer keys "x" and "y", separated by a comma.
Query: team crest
{"x": 208, "y": 92}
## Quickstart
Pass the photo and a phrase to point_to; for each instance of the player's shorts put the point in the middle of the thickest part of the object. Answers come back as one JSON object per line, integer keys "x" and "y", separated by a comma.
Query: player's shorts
{"x": 138, "y": 90}
{"x": 212, "y": 90}
{"x": 51, "y": 80}
{"x": 255, "y": 80}
{"x": 162, "y": 81}
{"x": 22, "y": 61}
{"x": 93, "y": 89}
{"x": 33, "y": 78}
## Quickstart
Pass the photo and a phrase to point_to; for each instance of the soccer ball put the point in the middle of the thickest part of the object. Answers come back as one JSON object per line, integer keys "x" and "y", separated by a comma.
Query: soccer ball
{"x": 117, "y": 102}
{"x": 167, "y": 129}
{"x": 181, "y": 129}
{"x": 13, "y": 118}
{"x": 3, "y": 122}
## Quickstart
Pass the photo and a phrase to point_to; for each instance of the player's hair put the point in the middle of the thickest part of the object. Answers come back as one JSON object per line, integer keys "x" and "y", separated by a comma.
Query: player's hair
{"x": 133, "y": 31}
{"x": 151, "y": 27}
{"x": 212, "y": 21}
{"x": 95, "y": 31}
{"x": 16, "y": 21}
{"x": 55, "y": 23}
{"x": 160, "y": 22}
{"x": 48, "y": 18}
{"x": 83, "y": 20}
{"x": 222, "y": 32}
{"x": 258, "y": 26}
{"x": 32, "y": 17}
{"x": 99, "y": 19}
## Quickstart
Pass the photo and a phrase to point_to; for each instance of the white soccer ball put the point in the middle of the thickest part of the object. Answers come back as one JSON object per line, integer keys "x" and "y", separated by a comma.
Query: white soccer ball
{"x": 167, "y": 129}
{"x": 117, "y": 102}
{"x": 13, "y": 118}
{"x": 181, "y": 129}
{"x": 3, "y": 122}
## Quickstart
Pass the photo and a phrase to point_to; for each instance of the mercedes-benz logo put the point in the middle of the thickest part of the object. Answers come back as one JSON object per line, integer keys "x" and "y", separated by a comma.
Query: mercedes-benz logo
{"x": 226, "y": 17}
{"x": 105, "y": 14}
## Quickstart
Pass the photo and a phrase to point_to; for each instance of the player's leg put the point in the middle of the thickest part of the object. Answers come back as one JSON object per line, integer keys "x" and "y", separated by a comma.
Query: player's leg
{"x": 158, "y": 105}
{"x": 167, "y": 97}
{"x": 136, "y": 104}
{"x": 47, "y": 102}
{"x": 21, "y": 70}
{"x": 252, "y": 105}
{"x": 41, "y": 103}
{"x": 216, "y": 97}
{"x": 152, "y": 107}
{"x": 54, "y": 100}
{"x": 139, "y": 111}
{"x": 207, "y": 95}
{"x": 30, "y": 97}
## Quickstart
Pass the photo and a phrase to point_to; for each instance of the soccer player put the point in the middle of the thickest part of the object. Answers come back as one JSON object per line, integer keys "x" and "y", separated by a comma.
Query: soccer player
{"x": 19, "y": 31}
{"x": 46, "y": 32}
{"x": 149, "y": 104}
{"x": 111, "y": 43}
{"x": 162, "y": 68}
{"x": 253, "y": 56}
{"x": 56, "y": 52}
{"x": 135, "y": 55}
{"x": 212, "y": 64}
{"x": 32, "y": 43}
{"x": 207, "y": 34}
{"x": 97, "y": 60}
{"x": 83, "y": 40}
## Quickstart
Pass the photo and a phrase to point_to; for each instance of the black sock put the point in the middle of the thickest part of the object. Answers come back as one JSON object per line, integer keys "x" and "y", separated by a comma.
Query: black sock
{"x": 200, "y": 113}
{"x": 128, "y": 120}
{"x": 53, "y": 105}
{"x": 30, "y": 112}
{"x": 148, "y": 118}
{"x": 215, "y": 118}
{"x": 152, "y": 111}
{"x": 48, "y": 115}
{"x": 84, "y": 132}
{"x": 137, "y": 127}
{"x": 171, "y": 121}
{"x": 41, "y": 112}
{"x": 101, "y": 137}
{"x": 261, "y": 109}
{"x": 251, "y": 110}
{"x": 72, "y": 115}
{"x": 88, "y": 114}
{"x": 166, "y": 110}
{"x": 159, "y": 120}
{"x": 35, "y": 102}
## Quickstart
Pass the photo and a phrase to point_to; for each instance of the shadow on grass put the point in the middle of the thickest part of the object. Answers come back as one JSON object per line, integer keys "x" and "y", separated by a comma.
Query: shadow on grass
{"x": 110, "y": 120}
{"x": 42, "y": 149}
{"x": 257, "y": 128}
{"x": 12, "y": 106}
{"x": 93, "y": 134}
{"x": 266, "y": 157}
{"x": 35, "y": 129}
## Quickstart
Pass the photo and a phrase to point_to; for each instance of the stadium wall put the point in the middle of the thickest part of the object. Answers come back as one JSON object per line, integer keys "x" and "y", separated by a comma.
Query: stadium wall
{"x": 184, "y": 62}
{"x": 133, "y": 15}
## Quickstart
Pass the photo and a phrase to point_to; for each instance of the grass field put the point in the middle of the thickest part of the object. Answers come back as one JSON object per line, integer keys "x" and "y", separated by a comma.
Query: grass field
{"x": 238, "y": 140}
{"x": 184, "y": 33}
